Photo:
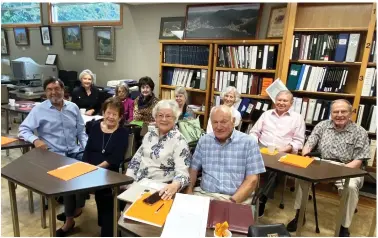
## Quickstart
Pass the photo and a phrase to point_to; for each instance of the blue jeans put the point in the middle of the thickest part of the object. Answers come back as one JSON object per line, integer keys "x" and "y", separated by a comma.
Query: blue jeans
{"x": 76, "y": 155}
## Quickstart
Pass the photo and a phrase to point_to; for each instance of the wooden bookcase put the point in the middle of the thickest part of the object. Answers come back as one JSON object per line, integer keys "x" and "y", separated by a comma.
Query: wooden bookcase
{"x": 196, "y": 96}
{"x": 333, "y": 18}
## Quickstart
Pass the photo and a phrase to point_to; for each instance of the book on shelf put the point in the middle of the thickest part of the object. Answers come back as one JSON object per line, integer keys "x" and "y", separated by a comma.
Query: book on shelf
{"x": 190, "y": 78}
{"x": 247, "y": 57}
{"x": 186, "y": 54}
{"x": 369, "y": 88}
{"x": 373, "y": 51}
{"x": 317, "y": 78}
{"x": 168, "y": 94}
{"x": 328, "y": 47}
{"x": 251, "y": 109}
{"x": 366, "y": 117}
{"x": 312, "y": 110}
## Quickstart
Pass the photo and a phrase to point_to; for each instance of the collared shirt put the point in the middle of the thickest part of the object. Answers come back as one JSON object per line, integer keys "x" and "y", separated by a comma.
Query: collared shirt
{"x": 235, "y": 113}
{"x": 89, "y": 102}
{"x": 162, "y": 159}
{"x": 225, "y": 167}
{"x": 287, "y": 129}
{"x": 346, "y": 145}
{"x": 58, "y": 129}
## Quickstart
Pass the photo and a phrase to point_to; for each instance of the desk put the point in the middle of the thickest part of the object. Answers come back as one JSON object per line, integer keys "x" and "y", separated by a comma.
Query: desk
{"x": 19, "y": 95}
{"x": 8, "y": 108}
{"x": 317, "y": 171}
{"x": 30, "y": 171}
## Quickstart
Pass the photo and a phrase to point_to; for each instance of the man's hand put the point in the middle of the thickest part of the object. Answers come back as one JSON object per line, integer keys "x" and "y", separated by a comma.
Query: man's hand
{"x": 286, "y": 149}
{"x": 89, "y": 112}
{"x": 40, "y": 144}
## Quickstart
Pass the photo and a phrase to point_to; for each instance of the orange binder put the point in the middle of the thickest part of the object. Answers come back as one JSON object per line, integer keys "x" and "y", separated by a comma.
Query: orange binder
{"x": 265, "y": 151}
{"x": 7, "y": 140}
{"x": 266, "y": 82}
{"x": 72, "y": 171}
{"x": 142, "y": 212}
{"x": 296, "y": 160}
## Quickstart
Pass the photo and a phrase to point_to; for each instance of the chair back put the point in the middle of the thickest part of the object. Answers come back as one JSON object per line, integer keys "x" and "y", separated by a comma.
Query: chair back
{"x": 129, "y": 153}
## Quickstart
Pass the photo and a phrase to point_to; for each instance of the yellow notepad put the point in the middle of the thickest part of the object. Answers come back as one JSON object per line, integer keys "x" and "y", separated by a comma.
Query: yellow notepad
{"x": 296, "y": 160}
{"x": 265, "y": 151}
{"x": 7, "y": 140}
{"x": 72, "y": 171}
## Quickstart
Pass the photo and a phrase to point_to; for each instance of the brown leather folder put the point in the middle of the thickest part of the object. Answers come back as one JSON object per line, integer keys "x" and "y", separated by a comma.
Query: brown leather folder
{"x": 238, "y": 216}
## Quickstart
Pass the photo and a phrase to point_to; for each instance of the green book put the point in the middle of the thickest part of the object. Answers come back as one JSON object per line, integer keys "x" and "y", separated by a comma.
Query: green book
{"x": 138, "y": 123}
{"x": 294, "y": 72}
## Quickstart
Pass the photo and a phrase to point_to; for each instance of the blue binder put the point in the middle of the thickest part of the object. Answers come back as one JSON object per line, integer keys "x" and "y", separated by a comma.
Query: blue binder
{"x": 341, "y": 47}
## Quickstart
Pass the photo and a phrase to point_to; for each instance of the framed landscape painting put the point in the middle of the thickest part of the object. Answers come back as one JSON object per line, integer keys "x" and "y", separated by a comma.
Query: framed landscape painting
{"x": 21, "y": 36}
{"x": 72, "y": 39}
{"x": 276, "y": 22}
{"x": 169, "y": 24}
{"x": 226, "y": 21}
{"x": 4, "y": 43}
{"x": 104, "y": 43}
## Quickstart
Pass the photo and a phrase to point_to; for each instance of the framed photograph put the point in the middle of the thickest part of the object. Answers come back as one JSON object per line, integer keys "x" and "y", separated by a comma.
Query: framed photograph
{"x": 4, "y": 43}
{"x": 169, "y": 24}
{"x": 45, "y": 35}
{"x": 72, "y": 39}
{"x": 21, "y": 36}
{"x": 276, "y": 22}
{"x": 225, "y": 21}
{"x": 104, "y": 43}
{"x": 51, "y": 59}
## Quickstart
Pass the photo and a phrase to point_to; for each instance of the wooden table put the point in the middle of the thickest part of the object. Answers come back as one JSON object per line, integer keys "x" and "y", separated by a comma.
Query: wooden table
{"x": 317, "y": 171}
{"x": 30, "y": 171}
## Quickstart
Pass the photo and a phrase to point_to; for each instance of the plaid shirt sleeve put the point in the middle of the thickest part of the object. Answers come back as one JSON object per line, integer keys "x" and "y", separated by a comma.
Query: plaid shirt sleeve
{"x": 316, "y": 134}
{"x": 196, "y": 163}
{"x": 362, "y": 147}
{"x": 255, "y": 163}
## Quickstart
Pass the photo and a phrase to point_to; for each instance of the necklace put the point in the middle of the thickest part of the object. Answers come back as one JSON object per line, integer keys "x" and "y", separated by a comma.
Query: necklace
{"x": 103, "y": 136}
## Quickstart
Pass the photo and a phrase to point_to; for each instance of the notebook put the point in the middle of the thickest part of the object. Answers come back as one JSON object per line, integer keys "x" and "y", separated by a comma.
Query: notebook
{"x": 7, "y": 140}
{"x": 265, "y": 151}
{"x": 72, "y": 171}
{"x": 138, "y": 188}
{"x": 296, "y": 160}
{"x": 238, "y": 216}
{"x": 149, "y": 214}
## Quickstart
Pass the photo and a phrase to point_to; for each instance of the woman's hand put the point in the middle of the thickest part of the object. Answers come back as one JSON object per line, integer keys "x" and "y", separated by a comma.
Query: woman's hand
{"x": 168, "y": 191}
{"x": 89, "y": 112}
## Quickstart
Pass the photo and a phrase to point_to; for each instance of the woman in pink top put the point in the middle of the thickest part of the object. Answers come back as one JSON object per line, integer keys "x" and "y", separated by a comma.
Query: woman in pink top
{"x": 122, "y": 92}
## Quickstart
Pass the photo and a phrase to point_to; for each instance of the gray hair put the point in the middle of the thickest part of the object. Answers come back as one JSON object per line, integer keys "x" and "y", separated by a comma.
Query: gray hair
{"x": 85, "y": 72}
{"x": 231, "y": 89}
{"x": 350, "y": 107}
{"x": 167, "y": 104}
{"x": 181, "y": 90}
{"x": 222, "y": 108}
{"x": 124, "y": 86}
{"x": 287, "y": 92}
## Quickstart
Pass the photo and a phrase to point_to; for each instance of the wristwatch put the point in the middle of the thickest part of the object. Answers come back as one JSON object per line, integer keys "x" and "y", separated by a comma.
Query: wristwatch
{"x": 232, "y": 200}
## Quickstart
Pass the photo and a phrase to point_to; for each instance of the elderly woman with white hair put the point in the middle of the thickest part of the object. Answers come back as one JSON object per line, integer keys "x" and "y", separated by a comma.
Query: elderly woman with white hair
{"x": 230, "y": 96}
{"x": 164, "y": 155}
{"x": 181, "y": 98}
{"x": 87, "y": 96}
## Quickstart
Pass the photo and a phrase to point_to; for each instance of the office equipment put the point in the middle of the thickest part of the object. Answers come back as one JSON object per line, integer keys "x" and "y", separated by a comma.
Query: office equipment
{"x": 25, "y": 68}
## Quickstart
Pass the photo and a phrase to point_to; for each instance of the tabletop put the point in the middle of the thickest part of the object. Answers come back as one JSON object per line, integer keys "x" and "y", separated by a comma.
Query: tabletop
{"x": 30, "y": 171}
{"x": 16, "y": 144}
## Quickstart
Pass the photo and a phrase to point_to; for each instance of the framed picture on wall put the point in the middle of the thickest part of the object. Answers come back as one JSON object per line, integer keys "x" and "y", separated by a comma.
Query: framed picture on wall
{"x": 222, "y": 21}
{"x": 276, "y": 22}
{"x": 72, "y": 39}
{"x": 169, "y": 24}
{"x": 104, "y": 43}
{"x": 4, "y": 43}
{"x": 21, "y": 36}
{"x": 45, "y": 35}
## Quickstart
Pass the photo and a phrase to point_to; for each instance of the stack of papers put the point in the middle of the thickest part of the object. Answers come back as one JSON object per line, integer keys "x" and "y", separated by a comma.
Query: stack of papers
{"x": 296, "y": 160}
{"x": 136, "y": 190}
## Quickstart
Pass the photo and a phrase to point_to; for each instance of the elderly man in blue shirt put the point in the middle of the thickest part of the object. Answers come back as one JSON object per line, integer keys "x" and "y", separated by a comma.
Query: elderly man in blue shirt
{"x": 230, "y": 161}
{"x": 59, "y": 125}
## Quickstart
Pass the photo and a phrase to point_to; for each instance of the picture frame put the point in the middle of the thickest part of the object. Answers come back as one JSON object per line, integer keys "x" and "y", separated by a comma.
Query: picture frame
{"x": 4, "y": 42}
{"x": 104, "y": 37}
{"x": 223, "y": 21}
{"x": 21, "y": 36}
{"x": 51, "y": 59}
{"x": 276, "y": 22}
{"x": 72, "y": 38}
{"x": 45, "y": 35}
{"x": 169, "y": 24}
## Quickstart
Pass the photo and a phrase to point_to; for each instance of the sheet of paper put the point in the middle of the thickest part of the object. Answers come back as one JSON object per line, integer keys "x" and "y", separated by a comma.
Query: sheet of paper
{"x": 152, "y": 184}
{"x": 275, "y": 88}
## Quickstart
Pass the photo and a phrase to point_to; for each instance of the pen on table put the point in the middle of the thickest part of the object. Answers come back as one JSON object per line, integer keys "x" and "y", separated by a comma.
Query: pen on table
{"x": 159, "y": 208}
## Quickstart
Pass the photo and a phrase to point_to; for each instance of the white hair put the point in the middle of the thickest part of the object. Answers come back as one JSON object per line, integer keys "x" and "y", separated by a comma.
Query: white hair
{"x": 287, "y": 92}
{"x": 182, "y": 91}
{"x": 86, "y": 72}
{"x": 231, "y": 89}
{"x": 167, "y": 104}
{"x": 224, "y": 109}
{"x": 350, "y": 107}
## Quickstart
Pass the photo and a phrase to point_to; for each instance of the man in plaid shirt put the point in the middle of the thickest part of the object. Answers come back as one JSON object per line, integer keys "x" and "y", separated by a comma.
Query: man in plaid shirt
{"x": 230, "y": 161}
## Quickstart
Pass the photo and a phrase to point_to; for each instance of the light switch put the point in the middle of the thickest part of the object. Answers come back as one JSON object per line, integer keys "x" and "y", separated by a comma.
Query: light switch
{"x": 23, "y": 48}
{"x": 47, "y": 48}
{"x": 105, "y": 63}
{"x": 74, "y": 52}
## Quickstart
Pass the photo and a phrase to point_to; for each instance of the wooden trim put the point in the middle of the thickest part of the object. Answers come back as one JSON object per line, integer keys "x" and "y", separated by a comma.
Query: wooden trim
{"x": 186, "y": 42}
{"x": 161, "y": 48}
{"x": 364, "y": 61}
{"x": 26, "y": 25}
{"x": 199, "y": 113}
{"x": 248, "y": 96}
{"x": 209, "y": 85}
{"x": 371, "y": 64}
{"x": 341, "y": 29}
{"x": 248, "y": 42}
{"x": 186, "y": 66}
{"x": 322, "y": 62}
{"x": 187, "y": 89}
{"x": 369, "y": 98}
{"x": 272, "y": 71}
{"x": 324, "y": 93}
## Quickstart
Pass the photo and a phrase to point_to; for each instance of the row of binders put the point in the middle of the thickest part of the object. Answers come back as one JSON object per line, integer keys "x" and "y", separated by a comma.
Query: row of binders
{"x": 245, "y": 83}
{"x": 369, "y": 87}
{"x": 247, "y": 57}
{"x": 328, "y": 47}
{"x": 373, "y": 51}
{"x": 186, "y": 54}
{"x": 367, "y": 117}
{"x": 317, "y": 78}
{"x": 312, "y": 110}
{"x": 189, "y": 78}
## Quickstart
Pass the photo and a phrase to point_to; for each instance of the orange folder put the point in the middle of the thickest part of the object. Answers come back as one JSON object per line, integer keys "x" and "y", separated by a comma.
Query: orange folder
{"x": 7, "y": 140}
{"x": 142, "y": 212}
{"x": 72, "y": 171}
{"x": 296, "y": 160}
{"x": 265, "y": 151}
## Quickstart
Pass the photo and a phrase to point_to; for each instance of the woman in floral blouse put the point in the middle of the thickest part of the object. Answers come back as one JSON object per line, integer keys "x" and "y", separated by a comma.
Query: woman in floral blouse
{"x": 164, "y": 155}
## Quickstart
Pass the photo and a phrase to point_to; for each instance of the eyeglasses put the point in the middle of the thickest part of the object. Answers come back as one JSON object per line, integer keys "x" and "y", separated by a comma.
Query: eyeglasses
{"x": 166, "y": 117}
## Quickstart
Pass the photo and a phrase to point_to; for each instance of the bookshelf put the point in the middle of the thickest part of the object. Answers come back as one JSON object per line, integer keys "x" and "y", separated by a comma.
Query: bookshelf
{"x": 325, "y": 19}
{"x": 180, "y": 57}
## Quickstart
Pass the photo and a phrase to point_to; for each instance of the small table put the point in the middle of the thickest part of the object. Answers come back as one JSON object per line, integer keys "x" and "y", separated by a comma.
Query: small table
{"x": 317, "y": 171}
{"x": 30, "y": 171}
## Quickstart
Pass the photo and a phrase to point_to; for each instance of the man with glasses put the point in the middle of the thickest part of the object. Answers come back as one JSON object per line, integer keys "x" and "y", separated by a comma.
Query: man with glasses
{"x": 343, "y": 142}
{"x": 230, "y": 161}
